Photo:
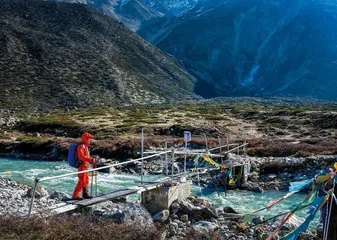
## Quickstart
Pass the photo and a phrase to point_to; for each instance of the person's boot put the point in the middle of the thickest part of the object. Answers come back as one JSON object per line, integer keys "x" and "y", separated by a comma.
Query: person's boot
{"x": 85, "y": 193}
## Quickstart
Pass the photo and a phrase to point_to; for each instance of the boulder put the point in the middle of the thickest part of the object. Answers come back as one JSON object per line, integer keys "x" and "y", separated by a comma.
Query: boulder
{"x": 271, "y": 177}
{"x": 59, "y": 195}
{"x": 186, "y": 207}
{"x": 258, "y": 220}
{"x": 110, "y": 170}
{"x": 161, "y": 216}
{"x": 130, "y": 213}
{"x": 39, "y": 192}
{"x": 233, "y": 216}
{"x": 184, "y": 218}
{"x": 229, "y": 210}
{"x": 204, "y": 227}
{"x": 122, "y": 199}
{"x": 203, "y": 213}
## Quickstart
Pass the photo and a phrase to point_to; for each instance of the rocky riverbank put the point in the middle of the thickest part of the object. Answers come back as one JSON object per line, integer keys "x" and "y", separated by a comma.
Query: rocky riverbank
{"x": 185, "y": 217}
{"x": 15, "y": 198}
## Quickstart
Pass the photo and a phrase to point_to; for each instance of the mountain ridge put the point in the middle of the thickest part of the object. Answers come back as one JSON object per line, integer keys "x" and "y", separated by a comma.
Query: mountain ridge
{"x": 61, "y": 54}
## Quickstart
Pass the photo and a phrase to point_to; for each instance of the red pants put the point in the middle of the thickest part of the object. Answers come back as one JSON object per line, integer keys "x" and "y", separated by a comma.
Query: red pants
{"x": 83, "y": 182}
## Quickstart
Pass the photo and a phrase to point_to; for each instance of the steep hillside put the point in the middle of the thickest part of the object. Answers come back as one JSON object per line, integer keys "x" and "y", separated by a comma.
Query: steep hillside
{"x": 255, "y": 48}
{"x": 60, "y": 54}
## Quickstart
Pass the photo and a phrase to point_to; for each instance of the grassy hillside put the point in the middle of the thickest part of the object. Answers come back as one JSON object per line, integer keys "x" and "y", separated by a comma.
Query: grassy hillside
{"x": 71, "y": 55}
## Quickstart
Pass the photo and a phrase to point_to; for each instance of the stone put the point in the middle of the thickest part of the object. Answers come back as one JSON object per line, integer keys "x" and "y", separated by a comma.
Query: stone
{"x": 59, "y": 195}
{"x": 39, "y": 192}
{"x": 233, "y": 216}
{"x": 307, "y": 235}
{"x": 229, "y": 210}
{"x": 186, "y": 207}
{"x": 271, "y": 177}
{"x": 131, "y": 213}
{"x": 203, "y": 213}
{"x": 118, "y": 216}
{"x": 184, "y": 218}
{"x": 175, "y": 207}
{"x": 258, "y": 220}
{"x": 204, "y": 227}
{"x": 161, "y": 216}
{"x": 122, "y": 199}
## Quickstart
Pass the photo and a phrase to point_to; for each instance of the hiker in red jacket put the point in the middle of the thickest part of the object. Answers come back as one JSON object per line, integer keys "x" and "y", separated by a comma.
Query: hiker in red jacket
{"x": 85, "y": 159}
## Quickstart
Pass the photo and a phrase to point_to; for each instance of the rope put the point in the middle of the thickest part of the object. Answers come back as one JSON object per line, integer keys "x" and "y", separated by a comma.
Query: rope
{"x": 327, "y": 221}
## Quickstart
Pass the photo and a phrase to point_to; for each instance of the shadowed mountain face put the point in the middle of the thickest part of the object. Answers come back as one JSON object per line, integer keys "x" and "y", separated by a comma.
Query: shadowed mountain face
{"x": 255, "y": 48}
{"x": 59, "y": 54}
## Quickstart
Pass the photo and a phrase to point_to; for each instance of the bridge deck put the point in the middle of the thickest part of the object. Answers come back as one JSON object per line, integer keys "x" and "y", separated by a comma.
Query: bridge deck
{"x": 112, "y": 195}
{"x": 103, "y": 198}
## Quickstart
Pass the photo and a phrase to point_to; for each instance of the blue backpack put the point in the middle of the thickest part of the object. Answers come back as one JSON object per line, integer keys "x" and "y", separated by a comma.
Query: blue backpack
{"x": 72, "y": 156}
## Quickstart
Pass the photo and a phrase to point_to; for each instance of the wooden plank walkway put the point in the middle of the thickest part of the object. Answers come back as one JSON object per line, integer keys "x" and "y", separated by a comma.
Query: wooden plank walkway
{"x": 103, "y": 198}
{"x": 110, "y": 195}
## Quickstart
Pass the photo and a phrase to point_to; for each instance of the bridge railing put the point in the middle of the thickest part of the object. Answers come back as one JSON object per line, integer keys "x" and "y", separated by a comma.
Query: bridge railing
{"x": 37, "y": 180}
{"x": 155, "y": 154}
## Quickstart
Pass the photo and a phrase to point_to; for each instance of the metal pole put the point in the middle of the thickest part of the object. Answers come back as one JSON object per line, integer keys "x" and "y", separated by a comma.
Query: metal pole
{"x": 92, "y": 180}
{"x": 228, "y": 151}
{"x": 244, "y": 148}
{"x": 142, "y": 169}
{"x": 96, "y": 175}
{"x": 172, "y": 169}
{"x": 33, "y": 196}
{"x": 166, "y": 163}
{"x": 185, "y": 158}
{"x": 219, "y": 139}
{"x": 206, "y": 142}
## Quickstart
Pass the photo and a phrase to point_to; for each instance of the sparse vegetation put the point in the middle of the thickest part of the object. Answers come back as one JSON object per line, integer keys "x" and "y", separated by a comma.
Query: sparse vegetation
{"x": 271, "y": 129}
{"x": 71, "y": 228}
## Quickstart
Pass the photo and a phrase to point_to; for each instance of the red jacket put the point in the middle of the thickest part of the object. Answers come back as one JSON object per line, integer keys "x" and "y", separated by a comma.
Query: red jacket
{"x": 83, "y": 151}
{"x": 83, "y": 155}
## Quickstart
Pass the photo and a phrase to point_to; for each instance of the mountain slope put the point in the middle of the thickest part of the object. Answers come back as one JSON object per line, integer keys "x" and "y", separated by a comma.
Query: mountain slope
{"x": 133, "y": 13}
{"x": 255, "y": 48}
{"x": 60, "y": 54}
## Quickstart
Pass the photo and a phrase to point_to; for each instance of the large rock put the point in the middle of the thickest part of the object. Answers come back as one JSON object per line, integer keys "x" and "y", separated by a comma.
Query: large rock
{"x": 39, "y": 192}
{"x": 204, "y": 227}
{"x": 186, "y": 207}
{"x": 161, "y": 216}
{"x": 59, "y": 195}
{"x": 229, "y": 210}
{"x": 233, "y": 216}
{"x": 203, "y": 213}
{"x": 131, "y": 213}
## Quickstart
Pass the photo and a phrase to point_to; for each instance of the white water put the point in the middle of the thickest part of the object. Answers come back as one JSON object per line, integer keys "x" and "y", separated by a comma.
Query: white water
{"x": 25, "y": 172}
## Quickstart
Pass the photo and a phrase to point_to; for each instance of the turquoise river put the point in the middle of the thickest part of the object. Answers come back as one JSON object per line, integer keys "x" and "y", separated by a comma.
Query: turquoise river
{"x": 24, "y": 171}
